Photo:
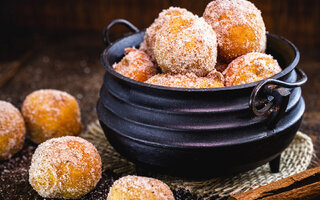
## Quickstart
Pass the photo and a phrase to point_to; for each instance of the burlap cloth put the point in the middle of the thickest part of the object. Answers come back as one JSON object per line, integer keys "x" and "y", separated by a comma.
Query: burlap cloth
{"x": 294, "y": 159}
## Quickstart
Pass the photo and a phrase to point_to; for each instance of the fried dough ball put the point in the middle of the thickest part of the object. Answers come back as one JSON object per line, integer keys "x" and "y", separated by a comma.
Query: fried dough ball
{"x": 239, "y": 27}
{"x": 250, "y": 68}
{"x": 139, "y": 188}
{"x": 186, "y": 45}
{"x": 51, "y": 113}
{"x": 12, "y": 130}
{"x": 213, "y": 80}
{"x": 136, "y": 65}
{"x": 163, "y": 18}
{"x": 65, "y": 167}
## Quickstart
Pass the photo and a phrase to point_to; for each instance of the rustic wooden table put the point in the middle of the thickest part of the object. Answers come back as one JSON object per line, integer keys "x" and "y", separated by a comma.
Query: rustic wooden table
{"x": 71, "y": 62}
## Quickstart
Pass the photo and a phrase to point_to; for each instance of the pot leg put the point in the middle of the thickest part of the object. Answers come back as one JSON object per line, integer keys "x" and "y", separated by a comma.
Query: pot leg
{"x": 275, "y": 164}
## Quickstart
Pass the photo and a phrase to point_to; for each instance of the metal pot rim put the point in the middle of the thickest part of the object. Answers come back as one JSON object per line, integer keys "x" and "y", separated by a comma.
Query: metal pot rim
{"x": 285, "y": 71}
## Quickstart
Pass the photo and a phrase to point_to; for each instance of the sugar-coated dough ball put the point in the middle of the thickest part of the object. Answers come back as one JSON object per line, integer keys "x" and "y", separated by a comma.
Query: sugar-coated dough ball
{"x": 136, "y": 65}
{"x": 186, "y": 45}
{"x": 163, "y": 18}
{"x": 213, "y": 80}
{"x": 66, "y": 167}
{"x": 12, "y": 130}
{"x": 51, "y": 113}
{"x": 239, "y": 27}
{"x": 250, "y": 68}
{"x": 139, "y": 188}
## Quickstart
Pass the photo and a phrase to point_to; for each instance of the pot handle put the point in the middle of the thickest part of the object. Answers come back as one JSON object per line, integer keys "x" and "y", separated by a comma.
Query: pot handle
{"x": 275, "y": 97}
{"x": 106, "y": 32}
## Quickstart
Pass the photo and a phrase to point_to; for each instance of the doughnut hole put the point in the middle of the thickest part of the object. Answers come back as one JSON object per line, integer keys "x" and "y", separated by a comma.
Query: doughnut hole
{"x": 51, "y": 113}
{"x": 239, "y": 27}
{"x": 250, "y": 68}
{"x": 12, "y": 130}
{"x": 136, "y": 65}
{"x": 66, "y": 167}
{"x": 163, "y": 18}
{"x": 137, "y": 187}
{"x": 186, "y": 45}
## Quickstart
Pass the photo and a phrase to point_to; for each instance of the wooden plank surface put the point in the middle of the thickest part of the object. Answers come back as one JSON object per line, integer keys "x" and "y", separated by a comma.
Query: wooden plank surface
{"x": 297, "y": 20}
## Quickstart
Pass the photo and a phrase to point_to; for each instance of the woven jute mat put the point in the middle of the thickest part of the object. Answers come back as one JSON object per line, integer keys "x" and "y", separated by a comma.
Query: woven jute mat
{"x": 296, "y": 158}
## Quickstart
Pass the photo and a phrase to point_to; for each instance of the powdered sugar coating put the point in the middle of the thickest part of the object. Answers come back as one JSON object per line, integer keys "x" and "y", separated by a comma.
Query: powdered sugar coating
{"x": 250, "y": 68}
{"x": 239, "y": 26}
{"x": 150, "y": 37}
{"x": 136, "y": 65}
{"x": 51, "y": 113}
{"x": 12, "y": 130}
{"x": 65, "y": 167}
{"x": 213, "y": 80}
{"x": 186, "y": 45}
{"x": 139, "y": 188}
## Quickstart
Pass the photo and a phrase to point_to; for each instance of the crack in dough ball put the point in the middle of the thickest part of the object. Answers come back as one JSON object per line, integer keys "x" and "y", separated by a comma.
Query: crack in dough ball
{"x": 65, "y": 167}
{"x": 250, "y": 68}
{"x": 213, "y": 80}
{"x": 51, "y": 113}
{"x": 186, "y": 45}
{"x": 12, "y": 130}
{"x": 150, "y": 37}
{"x": 136, "y": 65}
{"x": 139, "y": 188}
{"x": 239, "y": 27}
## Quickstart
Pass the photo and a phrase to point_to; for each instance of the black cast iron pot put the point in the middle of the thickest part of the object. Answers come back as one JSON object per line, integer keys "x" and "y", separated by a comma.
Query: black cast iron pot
{"x": 201, "y": 132}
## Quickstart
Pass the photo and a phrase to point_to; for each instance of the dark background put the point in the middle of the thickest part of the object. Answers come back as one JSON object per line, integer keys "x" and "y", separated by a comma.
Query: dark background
{"x": 297, "y": 20}
{"x": 57, "y": 44}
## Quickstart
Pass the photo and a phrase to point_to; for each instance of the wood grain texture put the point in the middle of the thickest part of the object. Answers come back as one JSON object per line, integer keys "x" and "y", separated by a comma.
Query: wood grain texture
{"x": 298, "y": 20}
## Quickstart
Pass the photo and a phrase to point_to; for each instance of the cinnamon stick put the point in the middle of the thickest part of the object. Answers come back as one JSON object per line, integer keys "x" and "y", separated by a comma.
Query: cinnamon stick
{"x": 305, "y": 185}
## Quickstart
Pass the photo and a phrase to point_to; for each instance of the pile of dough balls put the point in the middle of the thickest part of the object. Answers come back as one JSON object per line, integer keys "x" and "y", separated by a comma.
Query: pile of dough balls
{"x": 12, "y": 130}
{"x": 51, "y": 113}
{"x": 139, "y": 188}
{"x": 66, "y": 167}
{"x": 63, "y": 166}
{"x": 186, "y": 48}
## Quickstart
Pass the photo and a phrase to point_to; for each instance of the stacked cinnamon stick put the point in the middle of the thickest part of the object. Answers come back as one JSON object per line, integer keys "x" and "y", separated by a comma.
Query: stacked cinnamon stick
{"x": 305, "y": 185}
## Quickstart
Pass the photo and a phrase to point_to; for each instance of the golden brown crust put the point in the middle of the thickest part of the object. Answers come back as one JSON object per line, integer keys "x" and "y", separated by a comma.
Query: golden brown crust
{"x": 213, "y": 80}
{"x": 65, "y": 167}
{"x": 139, "y": 188}
{"x": 12, "y": 130}
{"x": 51, "y": 113}
{"x": 250, "y": 68}
{"x": 186, "y": 45}
{"x": 239, "y": 27}
{"x": 151, "y": 32}
{"x": 136, "y": 65}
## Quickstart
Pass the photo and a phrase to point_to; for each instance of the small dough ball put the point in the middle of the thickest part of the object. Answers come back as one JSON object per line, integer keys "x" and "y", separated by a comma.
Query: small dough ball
{"x": 12, "y": 130}
{"x": 213, "y": 80}
{"x": 250, "y": 68}
{"x": 139, "y": 188}
{"x": 136, "y": 65}
{"x": 186, "y": 45}
{"x": 51, "y": 113}
{"x": 239, "y": 26}
{"x": 163, "y": 18}
{"x": 66, "y": 167}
